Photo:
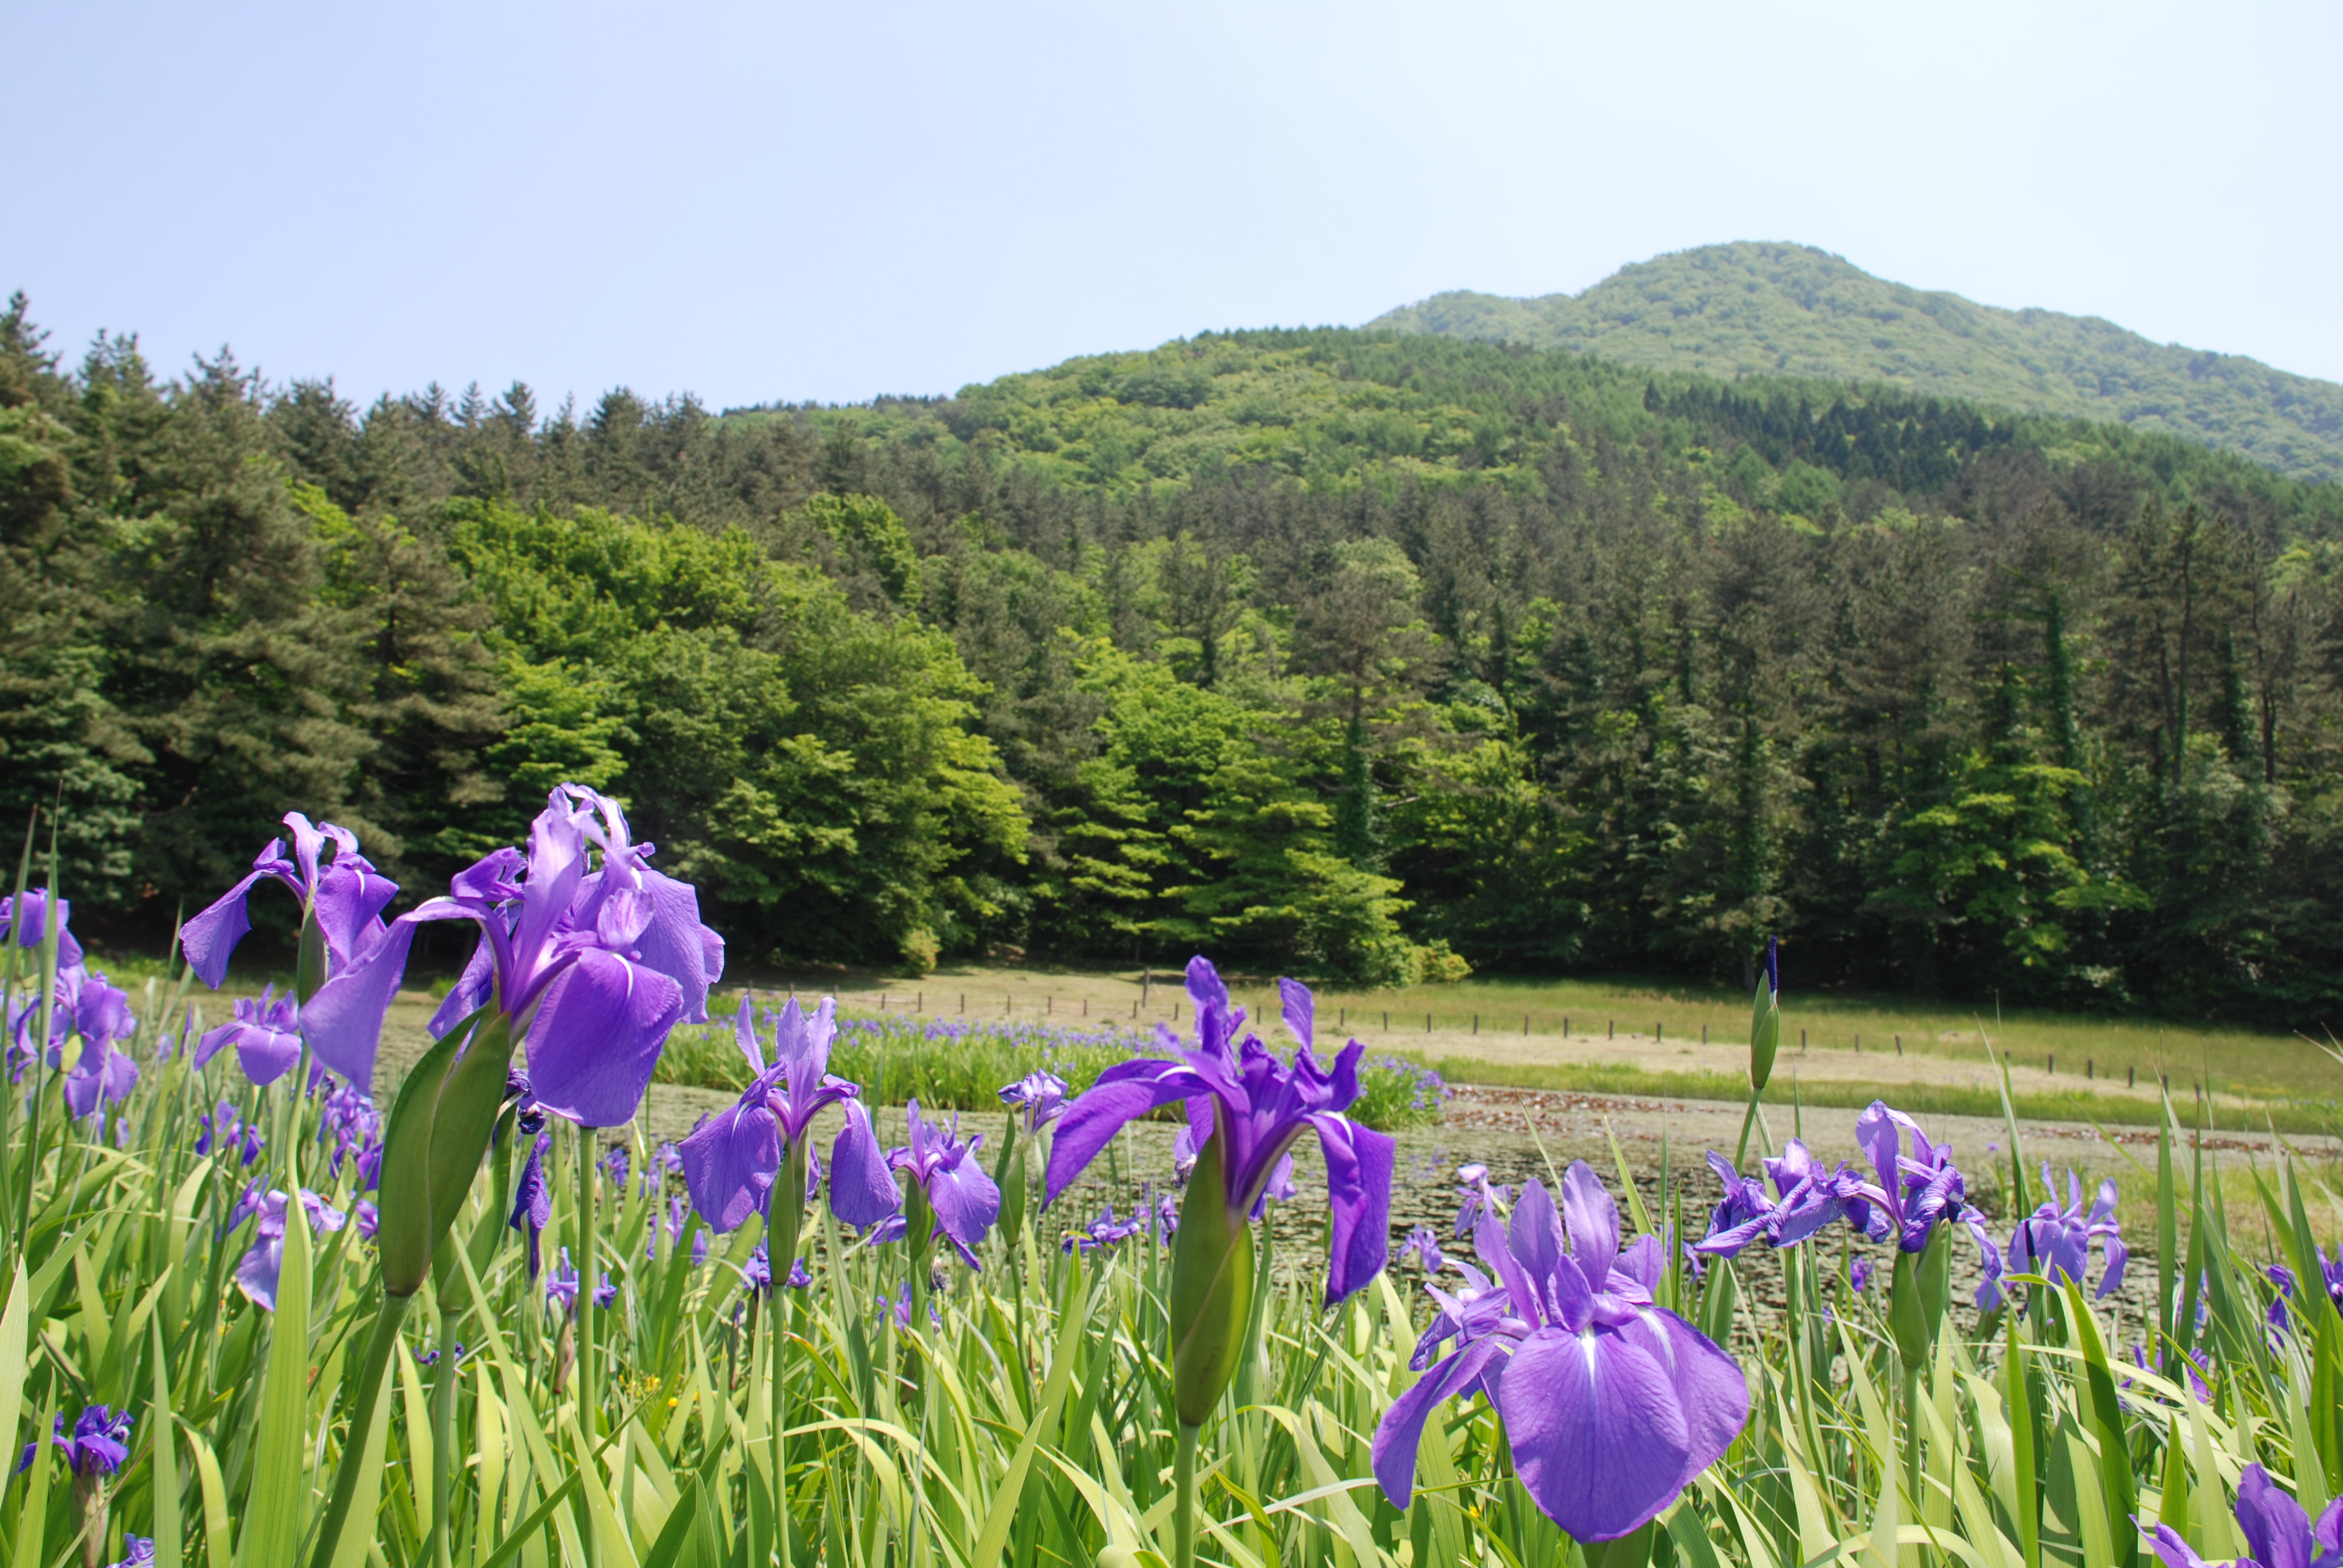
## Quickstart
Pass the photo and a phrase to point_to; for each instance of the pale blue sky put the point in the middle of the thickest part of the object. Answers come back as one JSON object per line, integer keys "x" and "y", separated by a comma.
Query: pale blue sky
{"x": 782, "y": 201}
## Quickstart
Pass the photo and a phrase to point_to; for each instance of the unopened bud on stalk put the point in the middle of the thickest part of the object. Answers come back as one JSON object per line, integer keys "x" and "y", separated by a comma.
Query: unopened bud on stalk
{"x": 1920, "y": 1298}
{"x": 1212, "y": 1291}
{"x": 1009, "y": 1175}
{"x": 1765, "y": 1021}
{"x": 309, "y": 967}
{"x": 431, "y": 1147}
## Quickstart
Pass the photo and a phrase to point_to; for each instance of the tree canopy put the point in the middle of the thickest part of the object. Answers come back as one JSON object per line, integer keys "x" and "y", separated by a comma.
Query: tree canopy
{"x": 1366, "y": 654}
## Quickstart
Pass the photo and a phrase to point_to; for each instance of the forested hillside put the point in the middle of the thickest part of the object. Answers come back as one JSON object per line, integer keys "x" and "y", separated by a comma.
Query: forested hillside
{"x": 1788, "y": 309}
{"x": 1362, "y": 653}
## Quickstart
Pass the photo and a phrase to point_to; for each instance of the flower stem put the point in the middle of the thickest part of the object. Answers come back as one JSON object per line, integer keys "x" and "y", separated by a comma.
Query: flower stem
{"x": 589, "y": 1407}
{"x": 1912, "y": 1434}
{"x": 1183, "y": 1510}
{"x": 787, "y": 1209}
{"x": 371, "y": 1374}
{"x": 443, "y": 1440}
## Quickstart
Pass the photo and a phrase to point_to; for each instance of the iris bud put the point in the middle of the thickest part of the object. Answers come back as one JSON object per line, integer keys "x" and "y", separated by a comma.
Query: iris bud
{"x": 403, "y": 1234}
{"x": 1212, "y": 1291}
{"x": 432, "y": 1146}
{"x": 1919, "y": 1299}
{"x": 470, "y": 1097}
{"x": 1009, "y": 1175}
{"x": 309, "y": 967}
{"x": 1765, "y": 1021}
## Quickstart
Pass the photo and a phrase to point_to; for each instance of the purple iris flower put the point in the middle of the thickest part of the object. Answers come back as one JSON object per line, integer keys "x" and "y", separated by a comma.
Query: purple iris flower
{"x": 591, "y": 967}
{"x": 1253, "y": 1107}
{"x": 100, "y": 1014}
{"x": 226, "y": 1127}
{"x": 1040, "y": 1094}
{"x": 532, "y": 1209}
{"x": 368, "y": 1217}
{"x": 1480, "y": 1198}
{"x": 1476, "y": 1308}
{"x": 1858, "y": 1275}
{"x": 730, "y": 1161}
{"x": 1915, "y": 1191}
{"x": 349, "y": 1122}
{"x": 25, "y": 923}
{"x": 561, "y": 1286}
{"x": 1106, "y": 1231}
{"x": 529, "y": 1117}
{"x": 962, "y": 1196}
{"x": 257, "y": 1275}
{"x": 344, "y": 891}
{"x": 85, "y": 1003}
{"x": 679, "y": 1215}
{"x": 1278, "y": 1188}
{"x": 99, "y": 1445}
{"x": 605, "y": 1292}
{"x": 1185, "y": 1147}
{"x": 1612, "y": 1404}
{"x": 2278, "y": 1531}
{"x": 2055, "y": 1242}
{"x": 101, "y": 1075}
{"x": 266, "y": 1032}
{"x": 1806, "y": 1197}
{"x": 141, "y": 1549}
{"x": 1425, "y": 1247}
{"x": 2283, "y": 1278}
{"x": 757, "y": 1273}
{"x": 2197, "y": 1366}
{"x": 900, "y": 1305}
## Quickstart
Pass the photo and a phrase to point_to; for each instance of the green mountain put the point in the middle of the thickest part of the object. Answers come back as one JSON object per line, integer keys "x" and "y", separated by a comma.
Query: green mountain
{"x": 1790, "y": 309}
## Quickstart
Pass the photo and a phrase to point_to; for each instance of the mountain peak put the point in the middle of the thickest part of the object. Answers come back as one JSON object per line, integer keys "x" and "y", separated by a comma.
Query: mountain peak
{"x": 1778, "y": 308}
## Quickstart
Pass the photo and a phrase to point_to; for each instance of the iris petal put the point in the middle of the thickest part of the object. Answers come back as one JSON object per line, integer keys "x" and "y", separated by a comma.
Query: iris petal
{"x": 1301, "y": 1010}
{"x": 730, "y": 1163}
{"x": 1597, "y": 1433}
{"x": 1358, "y": 1184}
{"x": 343, "y": 1021}
{"x": 965, "y": 1199}
{"x": 1533, "y": 1235}
{"x": 1710, "y": 1386}
{"x": 2276, "y": 1527}
{"x": 209, "y": 936}
{"x": 1593, "y": 1219}
{"x": 1400, "y": 1432}
{"x": 597, "y": 1035}
{"x": 677, "y": 945}
{"x": 861, "y": 1190}
{"x": 1123, "y": 1094}
{"x": 351, "y": 898}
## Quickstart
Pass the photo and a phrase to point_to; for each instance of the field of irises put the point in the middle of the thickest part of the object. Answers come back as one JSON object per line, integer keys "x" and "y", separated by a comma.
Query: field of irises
{"x": 251, "y": 1318}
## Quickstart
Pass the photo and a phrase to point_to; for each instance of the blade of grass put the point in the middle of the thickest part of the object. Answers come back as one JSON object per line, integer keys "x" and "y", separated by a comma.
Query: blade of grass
{"x": 165, "y": 1468}
{"x": 277, "y": 1507}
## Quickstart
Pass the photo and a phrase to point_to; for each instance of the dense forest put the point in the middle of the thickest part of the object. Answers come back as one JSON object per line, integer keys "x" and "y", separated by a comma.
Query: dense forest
{"x": 1733, "y": 310}
{"x": 1368, "y": 654}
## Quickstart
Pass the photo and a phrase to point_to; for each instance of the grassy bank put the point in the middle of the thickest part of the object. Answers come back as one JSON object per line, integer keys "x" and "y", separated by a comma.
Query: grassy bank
{"x": 2303, "y": 1116}
{"x": 1641, "y": 1012}
{"x": 961, "y": 1064}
